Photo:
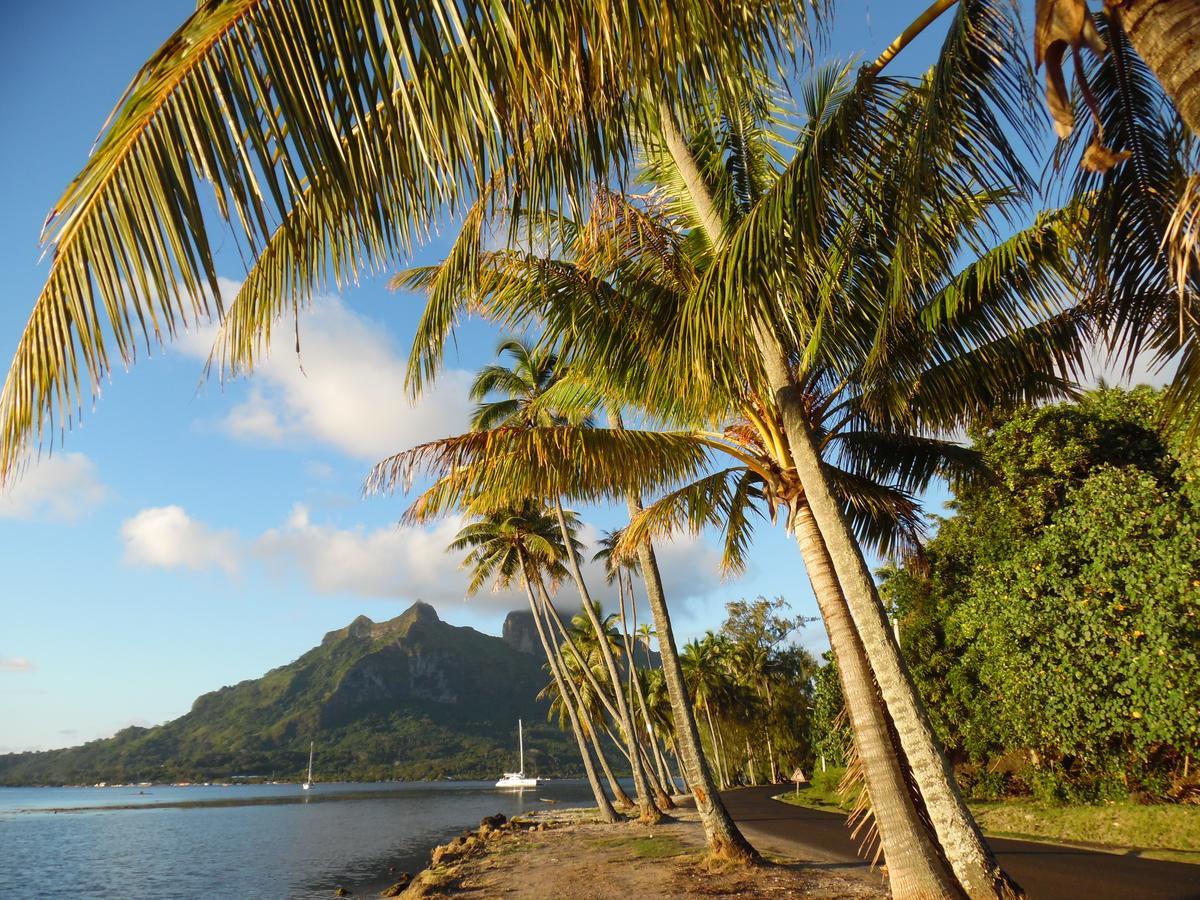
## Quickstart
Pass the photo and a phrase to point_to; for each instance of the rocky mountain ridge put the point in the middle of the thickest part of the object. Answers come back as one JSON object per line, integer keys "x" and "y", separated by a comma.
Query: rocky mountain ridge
{"x": 412, "y": 697}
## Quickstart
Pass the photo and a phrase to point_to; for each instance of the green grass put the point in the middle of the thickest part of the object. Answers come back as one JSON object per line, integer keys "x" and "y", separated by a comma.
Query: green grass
{"x": 655, "y": 846}
{"x": 1163, "y": 831}
{"x": 1160, "y": 831}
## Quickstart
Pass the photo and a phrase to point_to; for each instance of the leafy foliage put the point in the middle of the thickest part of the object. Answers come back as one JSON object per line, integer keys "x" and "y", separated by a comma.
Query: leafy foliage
{"x": 1057, "y": 615}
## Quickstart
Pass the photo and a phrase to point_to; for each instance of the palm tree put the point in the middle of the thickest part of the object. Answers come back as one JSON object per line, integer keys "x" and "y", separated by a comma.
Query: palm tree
{"x": 588, "y": 700}
{"x": 354, "y": 127}
{"x": 521, "y": 386}
{"x": 1028, "y": 262}
{"x": 525, "y": 543}
{"x": 621, "y": 573}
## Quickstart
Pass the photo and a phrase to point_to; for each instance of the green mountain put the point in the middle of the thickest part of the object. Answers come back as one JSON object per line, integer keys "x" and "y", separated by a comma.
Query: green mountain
{"x": 412, "y": 698}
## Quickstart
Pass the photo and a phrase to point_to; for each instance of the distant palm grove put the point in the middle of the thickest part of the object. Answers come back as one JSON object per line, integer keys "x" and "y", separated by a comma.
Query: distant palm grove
{"x": 749, "y": 286}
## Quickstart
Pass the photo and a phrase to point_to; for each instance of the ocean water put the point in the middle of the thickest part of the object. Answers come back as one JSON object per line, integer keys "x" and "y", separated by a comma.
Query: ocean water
{"x": 245, "y": 841}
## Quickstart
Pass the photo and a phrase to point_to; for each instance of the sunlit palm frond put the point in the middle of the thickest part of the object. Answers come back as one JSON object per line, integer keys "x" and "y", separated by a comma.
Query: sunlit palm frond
{"x": 518, "y": 463}
{"x": 262, "y": 99}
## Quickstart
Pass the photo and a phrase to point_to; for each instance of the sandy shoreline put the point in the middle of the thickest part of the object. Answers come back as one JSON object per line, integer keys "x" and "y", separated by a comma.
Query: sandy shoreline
{"x": 570, "y": 852}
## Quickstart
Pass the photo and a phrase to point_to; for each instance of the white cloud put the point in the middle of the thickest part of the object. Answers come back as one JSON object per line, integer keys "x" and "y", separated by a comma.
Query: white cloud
{"x": 167, "y": 537}
{"x": 255, "y": 420}
{"x": 394, "y": 561}
{"x": 16, "y": 664}
{"x": 60, "y": 488}
{"x": 402, "y": 562}
{"x": 345, "y": 390}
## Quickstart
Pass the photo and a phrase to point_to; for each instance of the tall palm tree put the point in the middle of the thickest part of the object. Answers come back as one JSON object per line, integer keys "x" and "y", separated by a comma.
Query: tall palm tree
{"x": 621, "y": 573}
{"x": 525, "y": 544}
{"x": 354, "y": 126}
{"x": 1028, "y": 263}
{"x": 520, "y": 387}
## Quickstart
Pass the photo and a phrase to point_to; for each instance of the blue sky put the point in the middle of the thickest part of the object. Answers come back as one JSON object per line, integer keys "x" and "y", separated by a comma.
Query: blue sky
{"x": 190, "y": 535}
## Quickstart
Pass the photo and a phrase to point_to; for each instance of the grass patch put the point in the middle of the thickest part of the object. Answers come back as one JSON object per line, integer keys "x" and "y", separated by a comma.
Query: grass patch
{"x": 1163, "y": 830}
{"x": 649, "y": 846}
{"x": 1159, "y": 831}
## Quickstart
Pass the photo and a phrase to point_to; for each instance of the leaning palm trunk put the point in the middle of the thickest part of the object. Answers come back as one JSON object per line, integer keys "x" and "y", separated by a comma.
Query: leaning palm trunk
{"x": 1166, "y": 34}
{"x": 958, "y": 836}
{"x": 722, "y": 835}
{"x": 636, "y": 696}
{"x": 574, "y": 700}
{"x": 620, "y": 798}
{"x": 649, "y": 813}
{"x": 602, "y": 802}
{"x": 915, "y": 868}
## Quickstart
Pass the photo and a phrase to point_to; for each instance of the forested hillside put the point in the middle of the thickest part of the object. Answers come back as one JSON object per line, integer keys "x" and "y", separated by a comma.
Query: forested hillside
{"x": 409, "y": 698}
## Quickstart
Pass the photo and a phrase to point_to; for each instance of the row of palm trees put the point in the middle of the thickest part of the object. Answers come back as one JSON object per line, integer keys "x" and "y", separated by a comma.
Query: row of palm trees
{"x": 795, "y": 302}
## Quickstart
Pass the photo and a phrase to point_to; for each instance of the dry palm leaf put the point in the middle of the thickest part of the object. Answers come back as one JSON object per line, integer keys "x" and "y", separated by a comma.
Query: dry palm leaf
{"x": 1063, "y": 25}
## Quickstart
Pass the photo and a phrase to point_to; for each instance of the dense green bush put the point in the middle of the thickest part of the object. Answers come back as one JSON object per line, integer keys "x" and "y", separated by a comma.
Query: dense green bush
{"x": 1055, "y": 618}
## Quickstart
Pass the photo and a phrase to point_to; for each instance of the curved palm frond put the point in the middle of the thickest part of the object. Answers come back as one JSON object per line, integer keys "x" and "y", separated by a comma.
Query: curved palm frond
{"x": 586, "y": 464}
{"x": 262, "y": 99}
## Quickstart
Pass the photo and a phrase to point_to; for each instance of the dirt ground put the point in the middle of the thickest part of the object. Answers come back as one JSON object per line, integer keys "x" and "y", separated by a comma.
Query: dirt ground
{"x": 569, "y": 854}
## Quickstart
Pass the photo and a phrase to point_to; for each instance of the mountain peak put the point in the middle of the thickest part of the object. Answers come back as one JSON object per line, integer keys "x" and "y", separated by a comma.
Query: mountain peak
{"x": 365, "y": 628}
{"x": 418, "y": 612}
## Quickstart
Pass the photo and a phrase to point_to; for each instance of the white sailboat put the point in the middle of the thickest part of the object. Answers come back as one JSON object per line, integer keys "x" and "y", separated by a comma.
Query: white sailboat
{"x": 308, "y": 782}
{"x": 517, "y": 779}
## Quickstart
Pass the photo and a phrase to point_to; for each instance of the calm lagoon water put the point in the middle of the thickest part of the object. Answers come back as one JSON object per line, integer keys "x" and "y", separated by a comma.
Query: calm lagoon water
{"x": 250, "y": 841}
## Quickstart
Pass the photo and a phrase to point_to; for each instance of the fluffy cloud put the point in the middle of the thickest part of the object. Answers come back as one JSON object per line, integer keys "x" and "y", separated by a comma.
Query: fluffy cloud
{"x": 167, "y": 537}
{"x": 16, "y": 664}
{"x": 345, "y": 390}
{"x": 394, "y": 561}
{"x": 60, "y": 488}
{"x": 401, "y": 562}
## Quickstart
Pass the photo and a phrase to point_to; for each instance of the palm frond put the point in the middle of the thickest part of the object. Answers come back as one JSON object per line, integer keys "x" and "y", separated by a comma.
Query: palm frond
{"x": 262, "y": 100}
{"x": 488, "y": 470}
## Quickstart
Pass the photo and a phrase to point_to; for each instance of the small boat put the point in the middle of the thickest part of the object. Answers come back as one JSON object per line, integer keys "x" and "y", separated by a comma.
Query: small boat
{"x": 517, "y": 780}
{"x": 308, "y": 782}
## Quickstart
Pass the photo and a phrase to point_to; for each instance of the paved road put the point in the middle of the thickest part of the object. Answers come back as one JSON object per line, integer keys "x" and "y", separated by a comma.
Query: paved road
{"x": 1046, "y": 871}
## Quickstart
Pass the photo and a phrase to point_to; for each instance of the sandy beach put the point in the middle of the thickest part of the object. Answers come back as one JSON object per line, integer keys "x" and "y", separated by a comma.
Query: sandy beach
{"x": 571, "y": 853}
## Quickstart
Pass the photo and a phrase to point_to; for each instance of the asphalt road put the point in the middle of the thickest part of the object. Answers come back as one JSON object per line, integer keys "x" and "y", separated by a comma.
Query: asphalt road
{"x": 1046, "y": 871}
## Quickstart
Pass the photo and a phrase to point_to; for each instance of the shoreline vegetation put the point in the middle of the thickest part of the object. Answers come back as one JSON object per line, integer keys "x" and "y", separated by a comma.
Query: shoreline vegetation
{"x": 575, "y": 852}
{"x": 1167, "y": 831}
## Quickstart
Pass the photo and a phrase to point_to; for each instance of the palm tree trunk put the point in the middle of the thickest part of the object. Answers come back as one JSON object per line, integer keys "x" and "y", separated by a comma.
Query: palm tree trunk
{"x": 637, "y": 699}
{"x": 1166, "y": 34}
{"x": 602, "y": 802}
{"x": 915, "y": 868}
{"x": 958, "y": 835}
{"x": 620, "y": 798}
{"x": 722, "y": 835}
{"x": 718, "y": 762}
{"x": 649, "y": 813}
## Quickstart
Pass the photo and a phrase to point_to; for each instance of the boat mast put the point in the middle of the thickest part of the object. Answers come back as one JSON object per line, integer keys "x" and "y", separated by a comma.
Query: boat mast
{"x": 521, "y": 743}
{"x": 311, "y": 745}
